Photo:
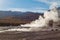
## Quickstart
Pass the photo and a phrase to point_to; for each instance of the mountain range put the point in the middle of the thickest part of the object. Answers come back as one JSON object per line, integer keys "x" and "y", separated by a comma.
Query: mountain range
{"x": 15, "y": 17}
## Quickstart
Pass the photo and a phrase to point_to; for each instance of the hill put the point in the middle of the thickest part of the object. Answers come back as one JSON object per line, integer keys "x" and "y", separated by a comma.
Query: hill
{"x": 15, "y": 18}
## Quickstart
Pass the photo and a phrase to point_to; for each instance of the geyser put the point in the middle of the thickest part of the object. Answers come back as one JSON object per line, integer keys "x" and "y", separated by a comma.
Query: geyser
{"x": 51, "y": 14}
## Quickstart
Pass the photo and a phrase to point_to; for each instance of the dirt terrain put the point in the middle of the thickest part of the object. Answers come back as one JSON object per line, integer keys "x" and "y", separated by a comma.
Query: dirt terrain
{"x": 42, "y": 35}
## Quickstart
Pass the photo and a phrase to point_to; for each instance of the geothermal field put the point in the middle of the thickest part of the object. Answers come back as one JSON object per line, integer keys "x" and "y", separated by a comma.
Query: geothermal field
{"x": 43, "y": 28}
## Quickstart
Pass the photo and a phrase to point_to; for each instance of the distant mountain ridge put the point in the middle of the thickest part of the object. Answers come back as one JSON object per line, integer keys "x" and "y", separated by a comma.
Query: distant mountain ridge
{"x": 17, "y": 18}
{"x": 19, "y": 15}
{"x": 13, "y": 13}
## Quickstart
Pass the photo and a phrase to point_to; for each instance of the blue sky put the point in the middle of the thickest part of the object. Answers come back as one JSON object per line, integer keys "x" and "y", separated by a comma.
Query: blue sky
{"x": 27, "y": 5}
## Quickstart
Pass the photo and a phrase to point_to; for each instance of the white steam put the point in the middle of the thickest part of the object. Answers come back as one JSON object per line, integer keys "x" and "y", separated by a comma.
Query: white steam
{"x": 48, "y": 15}
{"x": 54, "y": 5}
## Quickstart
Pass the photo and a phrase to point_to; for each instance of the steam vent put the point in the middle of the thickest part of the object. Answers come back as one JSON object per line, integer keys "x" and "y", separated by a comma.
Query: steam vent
{"x": 54, "y": 20}
{"x": 51, "y": 20}
{"x": 43, "y": 28}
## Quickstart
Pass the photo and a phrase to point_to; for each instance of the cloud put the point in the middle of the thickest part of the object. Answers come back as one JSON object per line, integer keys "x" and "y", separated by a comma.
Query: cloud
{"x": 39, "y": 9}
{"x": 1, "y": 2}
{"x": 25, "y": 10}
{"x": 3, "y": 6}
{"x": 44, "y": 1}
{"x": 48, "y": 2}
{"x": 17, "y": 9}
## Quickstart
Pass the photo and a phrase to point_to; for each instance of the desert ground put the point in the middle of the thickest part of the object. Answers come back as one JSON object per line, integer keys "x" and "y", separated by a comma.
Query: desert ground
{"x": 40, "y": 35}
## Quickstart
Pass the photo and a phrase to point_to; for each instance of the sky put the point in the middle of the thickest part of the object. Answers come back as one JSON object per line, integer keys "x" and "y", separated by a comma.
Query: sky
{"x": 27, "y": 5}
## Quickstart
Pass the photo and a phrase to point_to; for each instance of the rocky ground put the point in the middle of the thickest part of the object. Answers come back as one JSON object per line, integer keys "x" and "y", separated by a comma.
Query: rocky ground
{"x": 42, "y": 35}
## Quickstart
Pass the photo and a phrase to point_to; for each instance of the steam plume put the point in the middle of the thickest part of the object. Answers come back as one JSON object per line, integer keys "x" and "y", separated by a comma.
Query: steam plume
{"x": 49, "y": 15}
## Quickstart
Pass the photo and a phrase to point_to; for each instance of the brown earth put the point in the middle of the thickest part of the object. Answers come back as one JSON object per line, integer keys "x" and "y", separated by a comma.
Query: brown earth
{"x": 44, "y": 35}
{"x": 12, "y": 22}
{"x": 19, "y": 19}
